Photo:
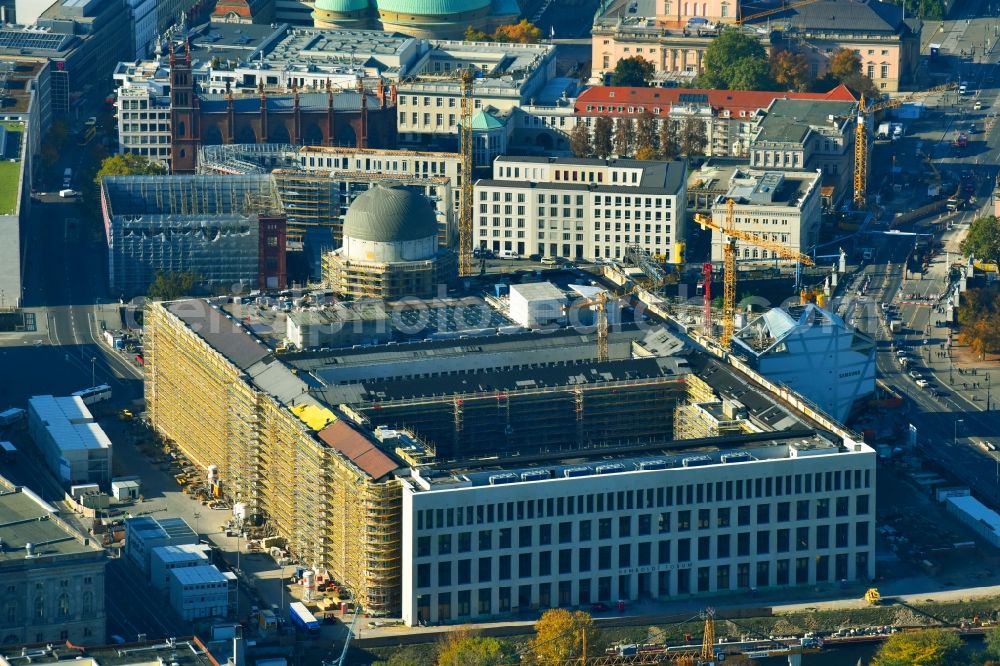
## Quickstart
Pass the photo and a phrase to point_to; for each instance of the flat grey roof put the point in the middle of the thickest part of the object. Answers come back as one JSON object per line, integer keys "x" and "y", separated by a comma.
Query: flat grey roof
{"x": 25, "y": 518}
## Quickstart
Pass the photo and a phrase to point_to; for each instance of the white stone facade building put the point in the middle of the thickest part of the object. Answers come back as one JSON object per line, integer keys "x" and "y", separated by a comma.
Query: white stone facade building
{"x": 773, "y": 512}
{"x": 581, "y": 208}
{"x": 778, "y": 206}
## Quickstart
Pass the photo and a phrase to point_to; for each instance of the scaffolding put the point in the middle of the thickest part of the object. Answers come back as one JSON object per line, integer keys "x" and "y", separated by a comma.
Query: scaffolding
{"x": 387, "y": 280}
{"x": 331, "y": 513}
{"x": 536, "y": 420}
{"x": 205, "y": 225}
{"x": 320, "y": 199}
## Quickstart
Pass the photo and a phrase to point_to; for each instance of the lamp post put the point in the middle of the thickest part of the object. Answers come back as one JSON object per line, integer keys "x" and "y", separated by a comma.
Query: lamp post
{"x": 281, "y": 606}
{"x": 955, "y": 438}
{"x": 987, "y": 391}
{"x": 93, "y": 371}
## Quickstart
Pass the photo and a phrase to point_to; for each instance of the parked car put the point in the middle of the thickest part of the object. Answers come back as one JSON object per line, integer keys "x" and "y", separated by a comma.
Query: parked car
{"x": 550, "y": 261}
{"x": 914, "y": 374}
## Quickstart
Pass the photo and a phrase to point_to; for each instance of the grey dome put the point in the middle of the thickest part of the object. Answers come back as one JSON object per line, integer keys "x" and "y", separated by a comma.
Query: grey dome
{"x": 390, "y": 214}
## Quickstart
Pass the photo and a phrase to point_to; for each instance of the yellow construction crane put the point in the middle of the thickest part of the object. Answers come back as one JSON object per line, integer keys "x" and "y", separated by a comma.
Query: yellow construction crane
{"x": 861, "y": 143}
{"x": 708, "y": 637}
{"x": 600, "y": 305}
{"x": 731, "y": 235}
{"x": 467, "y": 79}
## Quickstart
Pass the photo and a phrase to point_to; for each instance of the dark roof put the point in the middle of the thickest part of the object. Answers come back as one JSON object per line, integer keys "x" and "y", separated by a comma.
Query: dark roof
{"x": 727, "y": 383}
{"x": 343, "y": 437}
{"x": 585, "y": 373}
{"x": 220, "y": 332}
{"x": 389, "y": 215}
{"x": 346, "y": 100}
{"x": 864, "y": 16}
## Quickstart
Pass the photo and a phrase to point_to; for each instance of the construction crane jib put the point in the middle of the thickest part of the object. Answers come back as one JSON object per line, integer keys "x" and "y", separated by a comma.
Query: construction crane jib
{"x": 730, "y": 236}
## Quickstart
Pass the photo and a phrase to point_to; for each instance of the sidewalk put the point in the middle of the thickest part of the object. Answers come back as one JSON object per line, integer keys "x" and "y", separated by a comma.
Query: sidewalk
{"x": 954, "y": 364}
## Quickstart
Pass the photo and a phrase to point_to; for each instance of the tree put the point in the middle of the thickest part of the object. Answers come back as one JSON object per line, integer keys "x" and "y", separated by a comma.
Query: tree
{"x": 983, "y": 239}
{"x": 171, "y": 286}
{"x": 667, "y": 147}
{"x": 693, "y": 138}
{"x": 843, "y": 63}
{"x": 524, "y": 32}
{"x": 624, "y": 137}
{"x": 861, "y": 85}
{"x": 128, "y": 164}
{"x": 473, "y": 35}
{"x": 579, "y": 140}
{"x": 635, "y": 71}
{"x": 645, "y": 132}
{"x": 930, "y": 647}
{"x": 735, "y": 60}
{"x": 603, "y": 128}
{"x": 559, "y": 636}
{"x": 645, "y": 153}
{"x": 464, "y": 648}
{"x": 992, "y": 642}
{"x": 789, "y": 69}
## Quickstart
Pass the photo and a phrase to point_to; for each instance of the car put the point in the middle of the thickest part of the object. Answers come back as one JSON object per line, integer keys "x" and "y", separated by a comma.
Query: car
{"x": 599, "y": 607}
{"x": 923, "y": 383}
{"x": 914, "y": 374}
{"x": 978, "y": 106}
{"x": 550, "y": 261}
{"x": 963, "y": 88}
{"x": 67, "y": 193}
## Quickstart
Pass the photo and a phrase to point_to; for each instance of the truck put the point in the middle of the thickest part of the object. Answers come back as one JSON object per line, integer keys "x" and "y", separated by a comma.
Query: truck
{"x": 896, "y": 325}
{"x": 883, "y": 132}
{"x": 12, "y": 416}
{"x": 302, "y": 618}
{"x": 267, "y": 620}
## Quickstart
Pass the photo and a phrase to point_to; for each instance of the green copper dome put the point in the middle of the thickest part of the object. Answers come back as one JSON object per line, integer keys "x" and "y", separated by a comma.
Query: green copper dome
{"x": 430, "y": 7}
{"x": 341, "y": 6}
{"x": 390, "y": 214}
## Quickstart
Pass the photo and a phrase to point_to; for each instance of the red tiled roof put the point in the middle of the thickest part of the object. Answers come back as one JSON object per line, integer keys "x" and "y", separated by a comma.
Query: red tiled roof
{"x": 735, "y": 101}
{"x": 342, "y": 437}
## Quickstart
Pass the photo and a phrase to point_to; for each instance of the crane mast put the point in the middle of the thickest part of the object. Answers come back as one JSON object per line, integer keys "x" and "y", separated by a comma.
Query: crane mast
{"x": 465, "y": 144}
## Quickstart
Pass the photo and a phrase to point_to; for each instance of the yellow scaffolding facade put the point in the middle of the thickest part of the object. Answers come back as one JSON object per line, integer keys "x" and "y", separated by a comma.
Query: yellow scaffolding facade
{"x": 332, "y": 514}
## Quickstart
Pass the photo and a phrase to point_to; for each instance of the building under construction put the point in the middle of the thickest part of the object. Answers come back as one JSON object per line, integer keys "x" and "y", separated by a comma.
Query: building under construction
{"x": 343, "y": 452}
{"x": 224, "y": 230}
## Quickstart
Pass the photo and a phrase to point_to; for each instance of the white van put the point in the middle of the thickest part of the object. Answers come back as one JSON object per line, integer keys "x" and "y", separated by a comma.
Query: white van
{"x": 508, "y": 254}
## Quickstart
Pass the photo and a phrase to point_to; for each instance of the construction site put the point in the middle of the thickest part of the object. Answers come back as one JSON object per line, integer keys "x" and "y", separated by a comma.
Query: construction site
{"x": 220, "y": 229}
{"x": 314, "y": 442}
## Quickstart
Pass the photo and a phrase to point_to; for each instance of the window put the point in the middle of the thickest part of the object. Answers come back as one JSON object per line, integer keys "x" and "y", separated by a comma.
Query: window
{"x": 683, "y": 521}
{"x": 423, "y": 546}
{"x": 524, "y": 536}
{"x": 742, "y": 544}
{"x": 684, "y": 550}
{"x": 444, "y": 544}
{"x": 763, "y": 542}
{"x": 763, "y": 513}
{"x": 604, "y": 528}
{"x": 722, "y": 546}
{"x": 861, "y": 505}
{"x": 485, "y": 539}
{"x": 444, "y": 573}
{"x": 823, "y": 508}
{"x": 843, "y": 506}
{"x": 464, "y": 542}
{"x": 545, "y": 563}
{"x": 485, "y": 569}
{"x": 604, "y": 557}
{"x": 885, "y": 71}
{"x": 625, "y": 526}
{"x": 565, "y": 532}
{"x": 504, "y": 573}
{"x": 722, "y": 517}
{"x": 742, "y": 512}
{"x": 464, "y": 572}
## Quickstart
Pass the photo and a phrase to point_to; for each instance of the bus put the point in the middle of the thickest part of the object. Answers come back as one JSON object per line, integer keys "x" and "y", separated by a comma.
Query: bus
{"x": 94, "y": 394}
{"x": 86, "y": 135}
